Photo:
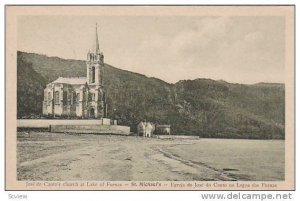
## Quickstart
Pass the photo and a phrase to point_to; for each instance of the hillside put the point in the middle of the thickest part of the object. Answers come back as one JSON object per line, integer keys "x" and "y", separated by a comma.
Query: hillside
{"x": 202, "y": 107}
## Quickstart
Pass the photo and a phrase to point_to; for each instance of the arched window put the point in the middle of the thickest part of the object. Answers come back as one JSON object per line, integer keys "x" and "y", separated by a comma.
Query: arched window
{"x": 77, "y": 97}
{"x": 93, "y": 74}
{"x": 56, "y": 99}
{"x": 49, "y": 96}
{"x": 74, "y": 98}
{"x": 92, "y": 113}
{"x": 65, "y": 98}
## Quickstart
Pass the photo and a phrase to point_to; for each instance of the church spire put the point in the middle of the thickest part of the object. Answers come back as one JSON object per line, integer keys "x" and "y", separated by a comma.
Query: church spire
{"x": 97, "y": 41}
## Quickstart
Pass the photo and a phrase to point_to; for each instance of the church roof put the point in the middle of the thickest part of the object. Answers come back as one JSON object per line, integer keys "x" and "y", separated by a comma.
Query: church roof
{"x": 71, "y": 80}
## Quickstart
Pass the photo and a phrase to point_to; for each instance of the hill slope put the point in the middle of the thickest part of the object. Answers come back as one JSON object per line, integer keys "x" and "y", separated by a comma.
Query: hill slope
{"x": 202, "y": 107}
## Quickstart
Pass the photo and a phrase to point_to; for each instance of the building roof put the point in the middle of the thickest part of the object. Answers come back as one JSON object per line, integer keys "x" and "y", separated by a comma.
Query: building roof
{"x": 71, "y": 80}
{"x": 163, "y": 126}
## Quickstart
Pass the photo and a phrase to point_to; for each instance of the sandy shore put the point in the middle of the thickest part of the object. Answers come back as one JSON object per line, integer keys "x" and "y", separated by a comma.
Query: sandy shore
{"x": 60, "y": 157}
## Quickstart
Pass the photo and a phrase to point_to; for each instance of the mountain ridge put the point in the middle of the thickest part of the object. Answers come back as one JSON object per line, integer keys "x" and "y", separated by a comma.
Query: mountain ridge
{"x": 204, "y": 107}
{"x": 219, "y": 80}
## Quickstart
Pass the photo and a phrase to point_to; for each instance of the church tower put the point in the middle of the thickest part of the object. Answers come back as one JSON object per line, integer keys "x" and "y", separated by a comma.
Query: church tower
{"x": 95, "y": 64}
{"x": 96, "y": 107}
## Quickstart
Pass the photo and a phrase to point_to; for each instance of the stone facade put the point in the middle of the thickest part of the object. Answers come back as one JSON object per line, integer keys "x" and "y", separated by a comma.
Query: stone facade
{"x": 81, "y": 97}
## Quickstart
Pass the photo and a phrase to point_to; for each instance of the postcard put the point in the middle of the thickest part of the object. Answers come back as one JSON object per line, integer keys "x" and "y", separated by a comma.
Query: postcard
{"x": 150, "y": 97}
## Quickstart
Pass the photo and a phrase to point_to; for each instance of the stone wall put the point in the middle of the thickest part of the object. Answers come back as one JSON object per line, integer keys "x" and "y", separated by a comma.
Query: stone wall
{"x": 94, "y": 126}
{"x": 45, "y": 123}
{"x": 91, "y": 129}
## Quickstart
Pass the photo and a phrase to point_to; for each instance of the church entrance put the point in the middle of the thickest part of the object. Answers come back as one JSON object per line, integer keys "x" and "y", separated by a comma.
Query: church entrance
{"x": 92, "y": 113}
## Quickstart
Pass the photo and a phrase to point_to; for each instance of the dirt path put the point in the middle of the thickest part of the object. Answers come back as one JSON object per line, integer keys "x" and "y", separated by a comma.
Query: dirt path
{"x": 115, "y": 158}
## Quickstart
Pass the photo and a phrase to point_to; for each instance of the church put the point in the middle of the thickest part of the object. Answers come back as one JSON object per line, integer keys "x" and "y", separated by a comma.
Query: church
{"x": 78, "y": 97}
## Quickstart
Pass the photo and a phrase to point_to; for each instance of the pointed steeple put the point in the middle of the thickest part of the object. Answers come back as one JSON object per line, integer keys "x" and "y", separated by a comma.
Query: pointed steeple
{"x": 97, "y": 41}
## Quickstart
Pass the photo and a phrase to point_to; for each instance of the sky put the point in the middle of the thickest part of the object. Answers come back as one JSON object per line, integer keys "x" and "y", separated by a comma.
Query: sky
{"x": 240, "y": 49}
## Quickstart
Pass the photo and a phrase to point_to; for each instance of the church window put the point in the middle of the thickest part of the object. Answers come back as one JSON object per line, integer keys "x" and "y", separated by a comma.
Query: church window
{"x": 74, "y": 98}
{"x": 90, "y": 96}
{"x": 78, "y": 97}
{"x": 69, "y": 98}
{"x": 93, "y": 74}
{"x": 56, "y": 98}
{"x": 49, "y": 96}
{"x": 83, "y": 95}
{"x": 65, "y": 98}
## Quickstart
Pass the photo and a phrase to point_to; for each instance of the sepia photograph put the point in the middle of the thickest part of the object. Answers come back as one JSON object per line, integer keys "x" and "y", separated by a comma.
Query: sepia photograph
{"x": 150, "y": 97}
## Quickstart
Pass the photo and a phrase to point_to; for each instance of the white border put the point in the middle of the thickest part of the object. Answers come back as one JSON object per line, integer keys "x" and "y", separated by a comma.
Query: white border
{"x": 127, "y": 195}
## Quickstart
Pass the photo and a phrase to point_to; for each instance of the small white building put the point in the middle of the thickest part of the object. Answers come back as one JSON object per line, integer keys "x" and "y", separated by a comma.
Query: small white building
{"x": 163, "y": 129}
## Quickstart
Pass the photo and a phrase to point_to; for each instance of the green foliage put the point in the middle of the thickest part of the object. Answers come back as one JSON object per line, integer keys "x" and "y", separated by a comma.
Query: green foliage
{"x": 30, "y": 86}
{"x": 203, "y": 107}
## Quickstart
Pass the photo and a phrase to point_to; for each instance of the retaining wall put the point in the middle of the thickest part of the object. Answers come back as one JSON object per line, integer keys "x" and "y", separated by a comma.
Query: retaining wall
{"x": 94, "y": 126}
{"x": 92, "y": 129}
{"x": 45, "y": 123}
